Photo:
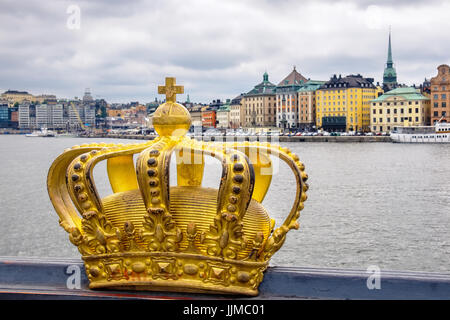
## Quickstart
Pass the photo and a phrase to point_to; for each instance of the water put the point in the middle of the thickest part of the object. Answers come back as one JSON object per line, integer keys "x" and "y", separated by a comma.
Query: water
{"x": 368, "y": 204}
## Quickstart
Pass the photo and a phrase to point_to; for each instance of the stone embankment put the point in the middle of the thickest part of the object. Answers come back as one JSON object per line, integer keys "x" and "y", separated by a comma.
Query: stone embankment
{"x": 262, "y": 138}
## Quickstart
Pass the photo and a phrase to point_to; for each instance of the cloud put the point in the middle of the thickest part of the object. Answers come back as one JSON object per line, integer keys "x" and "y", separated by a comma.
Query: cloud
{"x": 217, "y": 49}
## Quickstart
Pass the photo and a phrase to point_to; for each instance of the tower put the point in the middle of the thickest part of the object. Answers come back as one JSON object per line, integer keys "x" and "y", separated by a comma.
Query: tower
{"x": 389, "y": 75}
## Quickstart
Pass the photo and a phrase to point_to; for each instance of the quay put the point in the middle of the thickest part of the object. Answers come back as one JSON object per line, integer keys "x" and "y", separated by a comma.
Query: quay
{"x": 34, "y": 278}
{"x": 256, "y": 138}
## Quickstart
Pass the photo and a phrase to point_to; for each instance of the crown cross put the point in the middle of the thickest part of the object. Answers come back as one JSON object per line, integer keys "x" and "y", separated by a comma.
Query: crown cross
{"x": 170, "y": 90}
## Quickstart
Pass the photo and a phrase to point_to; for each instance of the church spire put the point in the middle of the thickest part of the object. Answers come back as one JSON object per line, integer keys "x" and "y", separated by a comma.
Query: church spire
{"x": 390, "y": 74}
{"x": 389, "y": 62}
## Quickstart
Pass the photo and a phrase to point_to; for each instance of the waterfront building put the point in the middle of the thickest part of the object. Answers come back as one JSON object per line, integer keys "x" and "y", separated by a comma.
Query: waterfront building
{"x": 287, "y": 115}
{"x": 24, "y": 116}
{"x": 343, "y": 103}
{"x": 4, "y": 115}
{"x": 45, "y": 99}
{"x": 13, "y": 117}
{"x": 399, "y": 107}
{"x": 196, "y": 115}
{"x": 79, "y": 112}
{"x": 49, "y": 116}
{"x": 440, "y": 95}
{"x": 389, "y": 74}
{"x": 259, "y": 104}
{"x": 307, "y": 104}
{"x": 223, "y": 115}
{"x": 237, "y": 112}
{"x": 13, "y": 96}
{"x": 208, "y": 117}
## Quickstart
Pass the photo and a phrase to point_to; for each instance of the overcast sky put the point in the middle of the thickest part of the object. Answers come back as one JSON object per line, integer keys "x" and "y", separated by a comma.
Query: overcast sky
{"x": 217, "y": 49}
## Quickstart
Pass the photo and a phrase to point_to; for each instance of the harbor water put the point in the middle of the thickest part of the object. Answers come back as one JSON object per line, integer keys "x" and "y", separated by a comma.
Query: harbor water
{"x": 369, "y": 204}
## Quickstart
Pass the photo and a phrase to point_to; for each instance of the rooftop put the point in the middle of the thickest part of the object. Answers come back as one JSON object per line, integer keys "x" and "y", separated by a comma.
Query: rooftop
{"x": 311, "y": 85}
{"x": 15, "y": 92}
{"x": 408, "y": 93}
{"x": 293, "y": 78}
{"x": 263, "y": 88}
{"x": 350, "y": 81}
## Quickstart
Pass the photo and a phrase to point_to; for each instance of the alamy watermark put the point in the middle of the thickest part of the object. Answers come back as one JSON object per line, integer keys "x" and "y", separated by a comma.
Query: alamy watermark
{"x": 74, "y": 20}
{"x": 374, "y": 280}
{"x": 74, "y": 279}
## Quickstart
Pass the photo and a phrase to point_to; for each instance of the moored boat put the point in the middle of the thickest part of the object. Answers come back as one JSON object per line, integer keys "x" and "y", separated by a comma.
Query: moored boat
{"x": 439, "y": 133}
{"x": 44, "y": 132}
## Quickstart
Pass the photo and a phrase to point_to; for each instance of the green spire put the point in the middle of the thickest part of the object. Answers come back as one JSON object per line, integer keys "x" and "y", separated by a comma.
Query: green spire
{"x": 389, "y": 62}
{"x": 265, "y": 77}
{"x": 390, "y": 74}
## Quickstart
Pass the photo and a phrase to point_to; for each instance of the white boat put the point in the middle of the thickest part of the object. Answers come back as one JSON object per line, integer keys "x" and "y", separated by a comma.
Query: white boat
{"x": 44, "y": 132}
{"x": 439, "y": 133}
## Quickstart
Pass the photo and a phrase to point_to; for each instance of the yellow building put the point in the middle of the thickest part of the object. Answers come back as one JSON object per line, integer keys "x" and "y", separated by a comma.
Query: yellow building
{"x": 399, "y": 107}
{"x": 13, "y": 96}
{"x": 343, "y": 104}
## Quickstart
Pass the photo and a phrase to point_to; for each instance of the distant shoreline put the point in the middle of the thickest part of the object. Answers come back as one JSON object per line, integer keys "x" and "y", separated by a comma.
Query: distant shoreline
{"x": 249, "y": 138}
{"x": 264, "y": 138}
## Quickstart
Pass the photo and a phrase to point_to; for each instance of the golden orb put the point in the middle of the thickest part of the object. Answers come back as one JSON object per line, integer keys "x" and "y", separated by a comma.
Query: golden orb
{"x": 171, "y": 119}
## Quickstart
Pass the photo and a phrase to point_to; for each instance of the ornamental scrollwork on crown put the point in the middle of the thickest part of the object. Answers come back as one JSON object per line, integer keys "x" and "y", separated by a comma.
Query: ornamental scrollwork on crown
{"x": 226, "y": 237}
{"x": 160, "y": 231}
{"x": 99, "y": 235}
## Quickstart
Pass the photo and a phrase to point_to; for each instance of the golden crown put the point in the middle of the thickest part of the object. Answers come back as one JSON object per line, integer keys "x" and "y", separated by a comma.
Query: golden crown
{"x": 150, "y": 236}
